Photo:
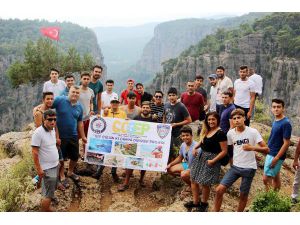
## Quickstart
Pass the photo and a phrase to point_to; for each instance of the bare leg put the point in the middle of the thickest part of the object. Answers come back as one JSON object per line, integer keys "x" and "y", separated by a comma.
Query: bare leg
{"x": 220, "y": 191}
{"x": 143, "y": 172}
{"x": 128, "y": 174}
{"x": 185, "y": 176}
{"x": 72, "y": 166}
{"x": 243, "y": 202}
{"x": 205, "y": 193}
{"x": 62, "y": 170}
{"x": 195, "y": 192}
{"x": 45, "y": 205}
{"x": 267, "y": 182}
{"x": 276, "y": 182}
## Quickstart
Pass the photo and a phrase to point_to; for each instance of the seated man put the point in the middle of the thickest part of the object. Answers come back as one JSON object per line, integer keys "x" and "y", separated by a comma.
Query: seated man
{"x": 181, "y": 165}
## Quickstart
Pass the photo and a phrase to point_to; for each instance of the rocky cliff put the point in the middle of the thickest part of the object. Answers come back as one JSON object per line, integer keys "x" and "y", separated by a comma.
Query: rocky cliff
{"x": 16, "y": 104}
{"x": 258, "y": 49}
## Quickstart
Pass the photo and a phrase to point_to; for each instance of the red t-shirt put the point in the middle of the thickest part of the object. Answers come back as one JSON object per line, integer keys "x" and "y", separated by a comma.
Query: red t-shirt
{"x": 194, "y": 103}
{"x": 124, "y": 96}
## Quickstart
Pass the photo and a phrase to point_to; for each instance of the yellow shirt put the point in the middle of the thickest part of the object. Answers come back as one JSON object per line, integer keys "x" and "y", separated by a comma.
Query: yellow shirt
{"x": 119, "y": 114}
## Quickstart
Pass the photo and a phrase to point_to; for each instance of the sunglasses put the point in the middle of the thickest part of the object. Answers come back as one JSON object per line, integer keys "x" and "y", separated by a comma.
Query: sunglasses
{"x": 158, "y": 96}
{"x": 51, "y": 119}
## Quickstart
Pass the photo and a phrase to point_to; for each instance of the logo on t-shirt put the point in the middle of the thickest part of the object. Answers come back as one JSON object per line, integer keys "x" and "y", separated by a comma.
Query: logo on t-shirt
{"x": 163, "y": 130}
{"x": 169, "y": 115}
{"x": 241, "y": 142}
{"x": 98, "y": 125}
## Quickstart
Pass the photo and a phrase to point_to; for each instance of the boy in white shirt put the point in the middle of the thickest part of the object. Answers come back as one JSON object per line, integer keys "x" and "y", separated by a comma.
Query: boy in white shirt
{"x": 108, "y": 94}
{"x": 54, "y": 85}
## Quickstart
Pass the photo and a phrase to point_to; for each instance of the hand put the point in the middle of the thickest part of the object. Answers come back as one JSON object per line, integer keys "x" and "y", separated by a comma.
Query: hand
{"x": 154, "y": 117}
{"x": 296, "y": 164}
{"x": 247, "y": 147}
{"x": 173, "y": 125}
{"x": 249, "y": 114}
{"x": 84, "y": 140}
{"x": 205, "y": 108}
{"x": 210, "y": 163}
{"x": 258, "y": 157}
{"x": 41, "y": 173}
{"x": 274, "y": 162}
{"x": 92, "y": 113}
{"x": 195, "y": 152}
{"x": 168, "y": 166}
{"x": 58, "y": 141}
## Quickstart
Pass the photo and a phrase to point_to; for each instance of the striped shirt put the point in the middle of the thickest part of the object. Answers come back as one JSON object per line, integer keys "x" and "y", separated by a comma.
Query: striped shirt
{"x": 158, "y": 110}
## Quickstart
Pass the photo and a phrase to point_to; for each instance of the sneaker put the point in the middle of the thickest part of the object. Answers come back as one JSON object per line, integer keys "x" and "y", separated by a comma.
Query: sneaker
{"x": 115, "y": 177}
{"x": 203, "y": 207}
{"x": 190, "y": 205}
{"x": 294, "y": 201}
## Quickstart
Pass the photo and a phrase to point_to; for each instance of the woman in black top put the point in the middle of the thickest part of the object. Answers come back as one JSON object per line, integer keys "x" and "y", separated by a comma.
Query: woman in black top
{"x": 206, "y": 167}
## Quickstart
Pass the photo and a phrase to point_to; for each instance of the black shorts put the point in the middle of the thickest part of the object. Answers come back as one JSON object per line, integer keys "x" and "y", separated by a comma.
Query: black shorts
{"x": 70, "y": 148}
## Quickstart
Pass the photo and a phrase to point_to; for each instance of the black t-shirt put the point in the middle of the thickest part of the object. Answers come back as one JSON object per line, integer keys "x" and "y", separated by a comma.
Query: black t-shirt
{"x": 139, "y": 117}
{"x": 158, "y": 110}
{"x": 202, "y": 92}
{"x": 212, "y": 144}
{"x": 146, "y": 97}
{"x": 175, "y": 114}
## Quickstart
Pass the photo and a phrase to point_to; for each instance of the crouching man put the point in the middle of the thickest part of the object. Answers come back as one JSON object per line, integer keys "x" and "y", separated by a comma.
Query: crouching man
{"x": 45, "y": 157}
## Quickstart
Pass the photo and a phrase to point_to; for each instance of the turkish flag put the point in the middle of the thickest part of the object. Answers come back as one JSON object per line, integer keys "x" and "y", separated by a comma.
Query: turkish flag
{"x": 51, "y": 32}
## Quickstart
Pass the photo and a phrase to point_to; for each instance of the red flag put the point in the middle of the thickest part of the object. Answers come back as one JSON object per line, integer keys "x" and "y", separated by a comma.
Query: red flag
{"x": 51, "y": 32}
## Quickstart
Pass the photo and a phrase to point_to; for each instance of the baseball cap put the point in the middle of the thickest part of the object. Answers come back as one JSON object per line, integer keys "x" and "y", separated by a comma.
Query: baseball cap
{"x": 213, "y": 76}
{"x": 130, "y": 80}
{"x": 114, "y": 99}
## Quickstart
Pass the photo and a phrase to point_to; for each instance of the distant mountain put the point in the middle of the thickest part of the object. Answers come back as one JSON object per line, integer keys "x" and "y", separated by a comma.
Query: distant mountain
{"x": 123, "y": 46}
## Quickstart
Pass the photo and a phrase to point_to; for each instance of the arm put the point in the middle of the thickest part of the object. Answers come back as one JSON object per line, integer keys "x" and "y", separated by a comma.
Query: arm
{"x": 296, "y": 164}
{"x": 38, "y": 118}
{"x": 262, "y": 148}
{"x": 175, "y": 161}
{"x": 81, "y": 131}
{"x": 252, "y": 101}
{"x": 99, "y": 101}
{"x": 92, "y": 107}
{"x": 222, "y": 154}
{"x": 282, "y": 151}
{"x": 186, "y": 121}
{"x": 35, "y": 155}
{"x": 58, "y": 141}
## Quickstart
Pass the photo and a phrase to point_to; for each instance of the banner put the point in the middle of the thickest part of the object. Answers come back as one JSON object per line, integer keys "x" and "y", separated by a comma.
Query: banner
{"x": 130, "y": 144}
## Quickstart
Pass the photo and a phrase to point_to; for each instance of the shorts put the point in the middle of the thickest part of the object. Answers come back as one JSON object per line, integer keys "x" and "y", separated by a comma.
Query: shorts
{"x": 235, "y": 173}
{"x": 70, "y": 149}
{"x": 272, "y": 172}
{"x": 185, "y": 165}
{"x": 49, "y": 182}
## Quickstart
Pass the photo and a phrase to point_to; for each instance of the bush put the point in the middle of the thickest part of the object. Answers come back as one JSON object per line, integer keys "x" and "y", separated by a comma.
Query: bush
{"x": 15, "y": 185}
{"x": 262, "y": 113}
{"x": 271, "y": 201}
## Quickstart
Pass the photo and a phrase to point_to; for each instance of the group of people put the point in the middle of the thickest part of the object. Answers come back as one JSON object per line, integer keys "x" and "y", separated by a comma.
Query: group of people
{"x": 222, "y": 117}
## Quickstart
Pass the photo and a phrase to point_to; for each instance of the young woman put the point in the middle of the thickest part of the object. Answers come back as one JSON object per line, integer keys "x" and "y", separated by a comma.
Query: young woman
{"x": 206, "y": 167}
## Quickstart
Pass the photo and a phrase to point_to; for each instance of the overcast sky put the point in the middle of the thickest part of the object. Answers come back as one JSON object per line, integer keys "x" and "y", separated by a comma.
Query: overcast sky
{"x": 93, "y": 13}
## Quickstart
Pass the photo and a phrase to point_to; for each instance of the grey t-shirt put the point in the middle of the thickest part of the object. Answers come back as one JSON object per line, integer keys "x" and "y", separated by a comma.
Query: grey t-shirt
{"x": 187, "y": 153}
{"x": 175, "y": 114}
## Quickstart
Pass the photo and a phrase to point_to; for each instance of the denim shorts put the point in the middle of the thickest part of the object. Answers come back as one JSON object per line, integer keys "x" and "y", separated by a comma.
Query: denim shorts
{"x": 185, "y": 165}
{"x": 272, "y": 172}
{"x": 235, "y": 173}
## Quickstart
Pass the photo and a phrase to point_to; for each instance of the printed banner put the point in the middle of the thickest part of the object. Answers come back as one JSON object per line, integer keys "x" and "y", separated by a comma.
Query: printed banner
{"x": 130, "y": 144}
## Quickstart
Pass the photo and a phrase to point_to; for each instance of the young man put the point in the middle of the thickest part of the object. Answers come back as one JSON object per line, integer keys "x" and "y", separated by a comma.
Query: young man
{"x": 193, "y": 101}
{"x": 113, "y": 111}
{"x": 246, "y": 141}
{"x": 279, "y": 142}
{"x": 224, "y": 84}
{"x": 97, "y": 87}
{"x": 157, "y": 107}
{"x": 212, "y": 102}
{"x": 108, "y": 94}
{"x": 182, "y": 164}
{"x": 176, "y": 114}
{"x": 225, "y": 112}
{"x": 147, "y": 117}
{"x": 86, "y": 100}
{"x": 296, "y": 184}
{"x": 198, "y": 86}
{"x": 244, "y": 94}
{"x": 145, "y": 96}
{"x": 54, "y": 85}
{"x": 45, "y": 157}
{"x": 69, "y": 122}
{"x": 70, "y": 81}
{"x": 38, "y": 111}
{"x": 130, "y": 88}
{"x": 130, "y": 108}
{"x": 257, "y": 80}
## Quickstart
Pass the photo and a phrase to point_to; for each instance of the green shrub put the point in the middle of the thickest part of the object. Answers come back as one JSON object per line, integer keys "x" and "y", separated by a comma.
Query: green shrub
{"x": 262, "y": 113}
{"x": 271, "y": 201}
{"x": 15, "y": 185}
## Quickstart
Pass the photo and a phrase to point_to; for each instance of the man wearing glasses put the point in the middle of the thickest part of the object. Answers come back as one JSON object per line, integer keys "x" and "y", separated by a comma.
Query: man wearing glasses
{"x": 157, "y": 107}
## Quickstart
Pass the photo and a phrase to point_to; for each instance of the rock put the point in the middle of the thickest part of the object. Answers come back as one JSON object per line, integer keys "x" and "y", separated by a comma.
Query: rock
{"x": 14, "y": 142}
{"x": 6, "y": 163}
{"x": 122, "y": 207}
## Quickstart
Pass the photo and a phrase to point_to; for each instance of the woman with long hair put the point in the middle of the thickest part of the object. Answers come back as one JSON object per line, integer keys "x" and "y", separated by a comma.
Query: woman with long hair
{"x": 206, "y": 167}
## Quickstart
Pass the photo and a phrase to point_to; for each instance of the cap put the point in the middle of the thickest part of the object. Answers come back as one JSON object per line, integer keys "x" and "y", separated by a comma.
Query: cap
{"x": 213, "y": 76}
{"x": 130, "y": 80}
{"x": 114, "y": 99}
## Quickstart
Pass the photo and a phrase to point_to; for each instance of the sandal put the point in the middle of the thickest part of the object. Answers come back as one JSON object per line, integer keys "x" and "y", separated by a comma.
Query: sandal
{"x": 60, "y": 186}
{"x": 65, "y": 182}
{"x": 123, "y": 187}
{"x": 74, "y": 177}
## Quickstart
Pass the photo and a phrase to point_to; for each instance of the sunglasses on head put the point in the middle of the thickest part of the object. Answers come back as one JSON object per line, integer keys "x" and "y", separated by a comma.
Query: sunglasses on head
{"x": 51, "y": 119}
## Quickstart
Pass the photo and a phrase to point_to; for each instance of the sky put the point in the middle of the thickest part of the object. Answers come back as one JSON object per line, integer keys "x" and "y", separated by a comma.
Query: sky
{"x": 92, "y": 13}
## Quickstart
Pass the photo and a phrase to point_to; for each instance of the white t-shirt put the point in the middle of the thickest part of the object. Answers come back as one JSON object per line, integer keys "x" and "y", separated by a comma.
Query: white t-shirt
{"x": 242, "y": 92}
{"x": 213, "y": 97}
{"x": 242, "y": 158}
{"x": 257, "y": 80}
{"x": 222, "y": 86}
{"x": 57, "y": 88}
{"x": 46, "y": 141}
{"x": 105, "y": 98}
{"x": 85, "y": 100}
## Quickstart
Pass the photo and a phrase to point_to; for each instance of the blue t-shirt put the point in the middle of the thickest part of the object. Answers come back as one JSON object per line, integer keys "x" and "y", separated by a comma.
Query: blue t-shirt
{"x": 97, "y": 88}
{"x": 65, "y": 92}
{"x": 187, "y": 155}
{"x": 67, "y": 116}
{"x": 281, "y": 129}
{"x": 225, "y": 113}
